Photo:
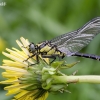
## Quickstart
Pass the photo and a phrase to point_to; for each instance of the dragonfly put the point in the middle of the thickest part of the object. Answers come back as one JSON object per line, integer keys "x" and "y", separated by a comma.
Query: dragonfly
{"x": 68, "y": 44}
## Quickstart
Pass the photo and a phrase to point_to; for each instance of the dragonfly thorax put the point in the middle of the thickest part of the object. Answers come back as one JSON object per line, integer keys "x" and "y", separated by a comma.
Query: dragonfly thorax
{"x": 49, "y": 50}
{"x": 45, "y": 49}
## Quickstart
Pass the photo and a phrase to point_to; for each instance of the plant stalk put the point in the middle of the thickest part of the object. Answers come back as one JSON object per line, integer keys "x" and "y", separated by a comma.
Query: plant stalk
{"x": 77, "y": 79}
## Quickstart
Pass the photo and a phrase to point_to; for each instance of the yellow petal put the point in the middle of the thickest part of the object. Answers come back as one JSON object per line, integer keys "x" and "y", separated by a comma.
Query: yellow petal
{"x": 14, "y": 69}
{"x": 24, "y": 94}
{"x": 14, "y": 88}
{"x": 13, "y": 91}
{"x": 10, "y": 81}
{"x": 11, "y": 74}
{"x": 14, "y": 64}
{"x": 13, "y": 57}
{"x": 23, "y": 48}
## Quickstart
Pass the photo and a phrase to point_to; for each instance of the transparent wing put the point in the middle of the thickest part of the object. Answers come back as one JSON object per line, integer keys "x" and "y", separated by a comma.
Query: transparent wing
{"x": 73, "y": 42}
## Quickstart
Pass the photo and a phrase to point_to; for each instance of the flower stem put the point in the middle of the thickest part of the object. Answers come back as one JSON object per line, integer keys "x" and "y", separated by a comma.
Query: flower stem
{"x": 77, "y": 79}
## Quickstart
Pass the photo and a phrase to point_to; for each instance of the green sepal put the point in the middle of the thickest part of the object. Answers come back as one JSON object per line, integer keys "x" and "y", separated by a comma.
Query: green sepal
{"x": 63, "y": 64}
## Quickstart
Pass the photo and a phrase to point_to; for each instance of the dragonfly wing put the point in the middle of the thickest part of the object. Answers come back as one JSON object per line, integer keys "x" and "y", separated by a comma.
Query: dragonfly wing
{"x": 72, "y": 42}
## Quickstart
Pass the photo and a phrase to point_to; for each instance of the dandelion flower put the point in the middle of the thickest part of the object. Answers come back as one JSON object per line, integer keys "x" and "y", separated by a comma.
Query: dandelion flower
{"x": 28, "y": 80}
{"x": 22, "y": 80}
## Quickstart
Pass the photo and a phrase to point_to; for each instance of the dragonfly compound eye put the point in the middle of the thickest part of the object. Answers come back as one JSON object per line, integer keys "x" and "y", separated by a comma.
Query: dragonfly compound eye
{"x": 32, "y": 48}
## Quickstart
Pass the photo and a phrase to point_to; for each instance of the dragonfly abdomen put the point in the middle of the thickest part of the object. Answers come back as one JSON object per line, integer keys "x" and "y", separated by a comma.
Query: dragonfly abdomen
{"x": 95, "y": 57}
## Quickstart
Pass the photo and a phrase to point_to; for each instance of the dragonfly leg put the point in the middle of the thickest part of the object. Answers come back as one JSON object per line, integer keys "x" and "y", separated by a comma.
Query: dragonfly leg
{"x": 50, "y": 56}
{"x": 29, "y": 57}
{"x": 37, "y": 60}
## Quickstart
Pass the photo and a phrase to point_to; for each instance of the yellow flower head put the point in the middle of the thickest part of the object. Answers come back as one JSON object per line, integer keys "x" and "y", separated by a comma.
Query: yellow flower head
{"x": 31, "y": 81}
{"x": 23, "y": 80}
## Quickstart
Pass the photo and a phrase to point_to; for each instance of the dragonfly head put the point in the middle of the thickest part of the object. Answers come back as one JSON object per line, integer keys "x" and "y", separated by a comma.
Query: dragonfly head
{"x": 32, "y": 48}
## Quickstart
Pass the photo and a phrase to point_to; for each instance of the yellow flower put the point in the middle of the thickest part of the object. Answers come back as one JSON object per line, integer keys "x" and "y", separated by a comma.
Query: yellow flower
{"x": 31, "y": 81}
{"x": 22, "y": 79}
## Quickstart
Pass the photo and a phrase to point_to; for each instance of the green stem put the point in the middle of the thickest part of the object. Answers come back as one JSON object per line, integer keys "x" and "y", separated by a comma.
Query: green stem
{"x": 77, "y": 79}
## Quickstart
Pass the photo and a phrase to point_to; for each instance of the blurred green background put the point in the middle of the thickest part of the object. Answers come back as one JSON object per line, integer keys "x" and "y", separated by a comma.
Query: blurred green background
{"x": 39, "y": 20}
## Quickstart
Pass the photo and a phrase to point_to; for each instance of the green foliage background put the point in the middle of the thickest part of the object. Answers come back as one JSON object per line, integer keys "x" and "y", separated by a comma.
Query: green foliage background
{"x": 39, "y": 20}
